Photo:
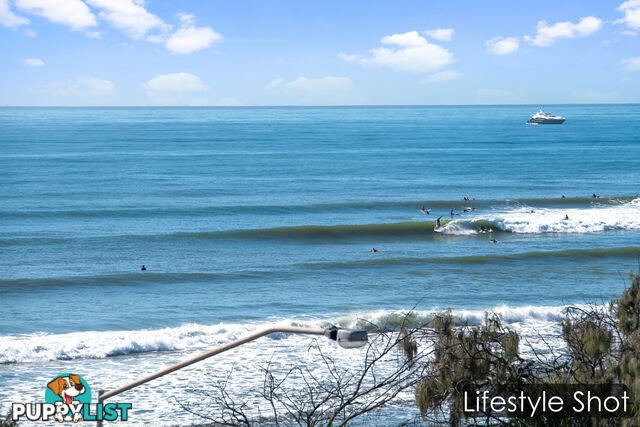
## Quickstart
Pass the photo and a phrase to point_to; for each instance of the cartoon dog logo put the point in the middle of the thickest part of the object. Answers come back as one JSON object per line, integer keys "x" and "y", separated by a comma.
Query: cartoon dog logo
{"x": 68, "y": 388}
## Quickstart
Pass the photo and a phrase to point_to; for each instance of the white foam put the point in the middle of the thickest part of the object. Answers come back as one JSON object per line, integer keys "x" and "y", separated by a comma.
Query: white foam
{"x": 530, "y": 314}
{"x": 597, "y": 218}
{"x": 459, "y": 228}
{"x": 511, "y": 315}
{"x": 40, "y": 347}
{"x": 47, "y": 353}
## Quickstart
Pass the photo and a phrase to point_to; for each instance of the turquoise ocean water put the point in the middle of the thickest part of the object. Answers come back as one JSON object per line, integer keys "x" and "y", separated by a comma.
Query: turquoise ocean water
{"x": 253, "y": 216}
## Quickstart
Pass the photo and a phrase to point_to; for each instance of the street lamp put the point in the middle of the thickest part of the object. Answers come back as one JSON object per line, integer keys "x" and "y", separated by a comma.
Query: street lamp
{"x": 346, "y": 338}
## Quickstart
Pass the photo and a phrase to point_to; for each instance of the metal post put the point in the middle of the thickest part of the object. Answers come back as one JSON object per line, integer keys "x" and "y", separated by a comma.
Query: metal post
{"x": 102, "y": 395}
{"x": 100, "y": 400}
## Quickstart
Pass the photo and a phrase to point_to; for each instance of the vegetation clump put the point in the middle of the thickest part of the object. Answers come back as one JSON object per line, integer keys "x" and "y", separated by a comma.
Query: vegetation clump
{"x": 441, "y": 360}
{"x": 601, "y": 355}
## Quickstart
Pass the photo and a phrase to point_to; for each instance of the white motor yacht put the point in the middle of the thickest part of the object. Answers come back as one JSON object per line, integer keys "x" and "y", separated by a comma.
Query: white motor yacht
{"x": 542, "y": 118}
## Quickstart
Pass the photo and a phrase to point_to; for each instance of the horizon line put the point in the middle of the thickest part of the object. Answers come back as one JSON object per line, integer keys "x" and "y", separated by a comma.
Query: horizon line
{"x": 314, "y": 106}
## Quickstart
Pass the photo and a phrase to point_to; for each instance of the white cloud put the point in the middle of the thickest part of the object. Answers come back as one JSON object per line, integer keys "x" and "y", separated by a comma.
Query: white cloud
{"x": 349, "y": 58}
{"x": 408, "y": 39}
{"x": 274, "y": 84}
{"x": 72, "y": 13}
{"x": 176, "y": 82}
{"x": 88, "y": 87}
{"x": 186, "y": 18}
{"x": 503, "y": 45}
{"x": 190, "y": 38}
{"x": 443, "y": 34}
{"x": 97, "y": 87}
{"x": 321, "y": 91}
{"x": 408, "y": 52}
{"x": 156, "y": 38}
{"x": 33, "y": 62}
{"x": 305, "y": 84}
{"x": 632, "y": 64}
{"x": 442, "y": 76}
{"x": 547, "y": 34}
{"x": 176, "y": 89}
{"x": 631, "y": 11}
{"x": 8, "y": 18}
{"x": 129, "y": 16}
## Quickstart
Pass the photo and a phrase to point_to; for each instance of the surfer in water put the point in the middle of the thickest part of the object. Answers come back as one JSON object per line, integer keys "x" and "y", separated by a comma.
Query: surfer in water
{"x": 494, "y": 241}
{"x": 143, "y": 268}
{"x": 452, "y": 212}
{"x": 566, "y": 217}
{"x": 438, "y": 223}
{"x": 373, "y": 250}
{"x": 425, "y": 211}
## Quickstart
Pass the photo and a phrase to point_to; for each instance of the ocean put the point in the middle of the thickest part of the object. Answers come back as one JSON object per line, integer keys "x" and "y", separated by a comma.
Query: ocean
{"x": 247, "y": 217}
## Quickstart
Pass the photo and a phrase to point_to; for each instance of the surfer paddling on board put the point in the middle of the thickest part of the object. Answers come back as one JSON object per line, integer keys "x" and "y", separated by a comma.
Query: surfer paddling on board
{"x": 425, "y": 211}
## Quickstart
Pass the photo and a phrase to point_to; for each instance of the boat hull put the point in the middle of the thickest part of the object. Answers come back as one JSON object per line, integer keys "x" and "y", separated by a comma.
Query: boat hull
{"x": 545, "y": 121}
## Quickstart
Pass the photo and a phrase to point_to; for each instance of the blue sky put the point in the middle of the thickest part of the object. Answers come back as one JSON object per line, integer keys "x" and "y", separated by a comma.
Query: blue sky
{"x": 269, "y": 52}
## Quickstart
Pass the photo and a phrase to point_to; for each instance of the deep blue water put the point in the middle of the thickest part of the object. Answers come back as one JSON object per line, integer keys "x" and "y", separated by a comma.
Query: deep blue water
{"x": 245, "y": 215}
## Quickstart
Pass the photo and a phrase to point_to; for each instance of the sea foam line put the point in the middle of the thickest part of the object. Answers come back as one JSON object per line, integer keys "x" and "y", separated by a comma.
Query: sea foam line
{"x": 40, "y": 347}
{"x": 526, "y": 220}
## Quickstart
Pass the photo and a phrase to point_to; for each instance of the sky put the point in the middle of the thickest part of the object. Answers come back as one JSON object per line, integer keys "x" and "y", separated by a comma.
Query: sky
{"x": 272, "y": 52}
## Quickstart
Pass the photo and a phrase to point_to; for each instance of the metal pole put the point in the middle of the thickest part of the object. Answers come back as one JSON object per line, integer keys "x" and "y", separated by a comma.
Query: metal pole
{"x": 100, "y": 400}
{"x": 102, "y": 396}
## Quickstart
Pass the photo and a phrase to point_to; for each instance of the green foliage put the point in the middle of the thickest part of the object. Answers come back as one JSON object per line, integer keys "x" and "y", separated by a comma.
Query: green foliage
{"x": 7, "y": 421}
{"x": 602, "y": 348}
{"x": 468, "y": 359}
{"x": 409, "y": 345}
{"x": 589, "y": 340}
{"x": 627, "y": 310}
{"x": 628, "y": 307}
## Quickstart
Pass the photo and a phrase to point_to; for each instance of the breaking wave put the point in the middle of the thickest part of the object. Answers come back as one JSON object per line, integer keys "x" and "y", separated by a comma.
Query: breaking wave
{"x": 516, "y": 217}
{"x": 526, "y": 220}
{"x": 40, "y": 347}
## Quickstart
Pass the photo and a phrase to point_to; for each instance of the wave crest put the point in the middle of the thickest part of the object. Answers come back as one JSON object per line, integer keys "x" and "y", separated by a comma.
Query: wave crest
{"x": 40, "y": 347}
{"x": 525, "y": 220}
